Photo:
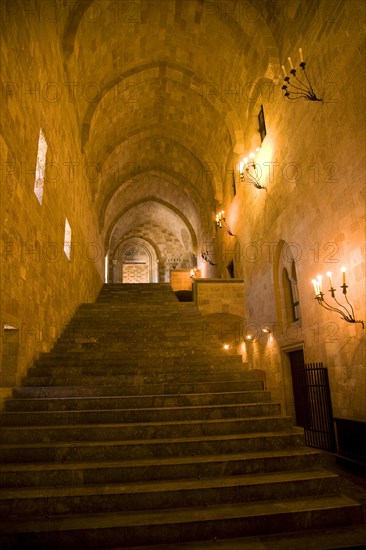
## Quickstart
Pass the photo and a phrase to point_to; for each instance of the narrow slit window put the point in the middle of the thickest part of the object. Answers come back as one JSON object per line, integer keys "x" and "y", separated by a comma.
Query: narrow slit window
{"x": 262, "y": 124}
{"x": 67, "y": 240}
{"x": 40, "y": 166}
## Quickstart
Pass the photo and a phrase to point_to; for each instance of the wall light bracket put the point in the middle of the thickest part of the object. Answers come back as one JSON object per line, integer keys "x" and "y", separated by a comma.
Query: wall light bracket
{"x": 296, "y": 88}
{"x": 221, "y": 223}
{"x": 250, "y": 171}
{"x": 346, "y": 312}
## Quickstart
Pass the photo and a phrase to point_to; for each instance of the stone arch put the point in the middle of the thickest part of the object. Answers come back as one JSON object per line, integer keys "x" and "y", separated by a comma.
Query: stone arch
{"x": 158, "y": 201}
{"x": 68, "y": 39}
{"x": 285, "y": 286}
{"x": 140, "y": 255}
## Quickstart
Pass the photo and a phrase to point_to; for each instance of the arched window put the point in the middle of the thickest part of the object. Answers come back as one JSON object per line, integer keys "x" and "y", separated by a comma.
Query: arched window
{"x": 285, "y": 286}
{"x": 291, "y": 294}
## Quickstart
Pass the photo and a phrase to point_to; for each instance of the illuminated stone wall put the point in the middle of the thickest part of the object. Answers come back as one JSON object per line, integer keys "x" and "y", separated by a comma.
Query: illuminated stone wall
{"x": 147, "y": 114}
{"x": 40, "y": 286}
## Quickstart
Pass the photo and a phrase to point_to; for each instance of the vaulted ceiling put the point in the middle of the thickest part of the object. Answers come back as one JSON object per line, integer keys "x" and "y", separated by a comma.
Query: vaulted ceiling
{"x": 164, "y": 98}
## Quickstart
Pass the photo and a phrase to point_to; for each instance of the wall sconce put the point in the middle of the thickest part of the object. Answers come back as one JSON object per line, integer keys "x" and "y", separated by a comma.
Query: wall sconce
{"x": 221, "y": 223}
{"x": 250, "y": 170}
{"x": 248, "y": 338}
{"x": 207, "y": 258}
{"x": 299, "y": 89}
{"x": 268, "y": 332}
{"x": 345, "y": 313}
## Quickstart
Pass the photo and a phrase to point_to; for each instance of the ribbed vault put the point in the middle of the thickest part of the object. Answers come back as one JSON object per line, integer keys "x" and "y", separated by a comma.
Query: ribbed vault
{"x": 166, "y": 96}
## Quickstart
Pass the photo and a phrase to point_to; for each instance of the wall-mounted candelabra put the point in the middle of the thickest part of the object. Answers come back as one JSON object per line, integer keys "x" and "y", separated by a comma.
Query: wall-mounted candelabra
{"x": 221, "y": 223}
{"x": 250, "y": 170}
{"x": 296, "y": 88}
{"x": 174, "y": 261}
{"x": 207, "y": 258}
{"x": 345, "y": 311}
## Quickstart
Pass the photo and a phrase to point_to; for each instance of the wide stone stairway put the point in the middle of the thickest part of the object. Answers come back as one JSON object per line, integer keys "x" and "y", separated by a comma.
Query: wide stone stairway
{"x": 138, "y": 429}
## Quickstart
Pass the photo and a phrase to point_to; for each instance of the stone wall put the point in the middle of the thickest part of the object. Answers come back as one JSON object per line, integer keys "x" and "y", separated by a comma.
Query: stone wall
{"x": 40, "y": 286}
{"x": 219, "y": 296}
{"x": 313, "y": 209}
{"x": 135, "y": 273}
{"x": 146, "y": 119}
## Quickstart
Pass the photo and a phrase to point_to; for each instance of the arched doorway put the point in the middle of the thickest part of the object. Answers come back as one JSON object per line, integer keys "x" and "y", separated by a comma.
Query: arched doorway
{"x": 134, "y": 261}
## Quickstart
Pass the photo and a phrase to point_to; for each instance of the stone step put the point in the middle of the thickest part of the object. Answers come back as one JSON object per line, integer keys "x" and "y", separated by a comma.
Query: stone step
{"x": 161, "y": 495}
{"x": 155, "y": 414}
{"x": 181, "y": 524}
{"x": 90, "y": 340}
{"x": 157, "y": 363}
{"x": 150, "y": 360}
{"x": 162, "y": 371}
{"x": 64, "y": 403}
{"x": 163, "y": 388}
{"x": 351, "y": 537}
{"x": 159, "y": 305}
{"x": 124, "y": 376}
{"x": 132, "y": 350}
{"x": 114, "y": 328}
{"x": 158, "y": 309}
{"x": 142, "y": 338}
{"x": 150, "y": 391}
{"x": 175, "y": 326}
{"x": 141, "y": 430}
{"x": 76, "y": 451}
{"x": 139, "y": 358}
{"x": 153, "y": 317}
{"x": 161, "y": 468}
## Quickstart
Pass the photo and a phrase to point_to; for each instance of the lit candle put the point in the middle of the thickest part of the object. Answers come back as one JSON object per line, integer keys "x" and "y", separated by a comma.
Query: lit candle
{"x": 290, "y": 61}
{"x": 315, "y": 283}
{"x": 301, "y": 57}
{"x": 343, "y": 269}
{"x": 320, "y": 278}
{"x": 329, "y": 275}
{"x": 284, "y": 70}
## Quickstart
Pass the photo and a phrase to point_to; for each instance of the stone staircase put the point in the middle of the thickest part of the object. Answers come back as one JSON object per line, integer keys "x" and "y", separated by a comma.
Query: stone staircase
{"x": 139, "y": 430}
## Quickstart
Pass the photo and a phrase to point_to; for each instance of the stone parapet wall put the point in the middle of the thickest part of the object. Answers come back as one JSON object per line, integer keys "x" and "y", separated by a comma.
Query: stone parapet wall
{"x": 219, "y": 296}
{"x": 181, "y": 279}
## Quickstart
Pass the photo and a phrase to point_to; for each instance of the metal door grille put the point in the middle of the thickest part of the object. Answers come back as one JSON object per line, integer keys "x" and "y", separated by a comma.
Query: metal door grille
{"x": 314, "y": 411}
